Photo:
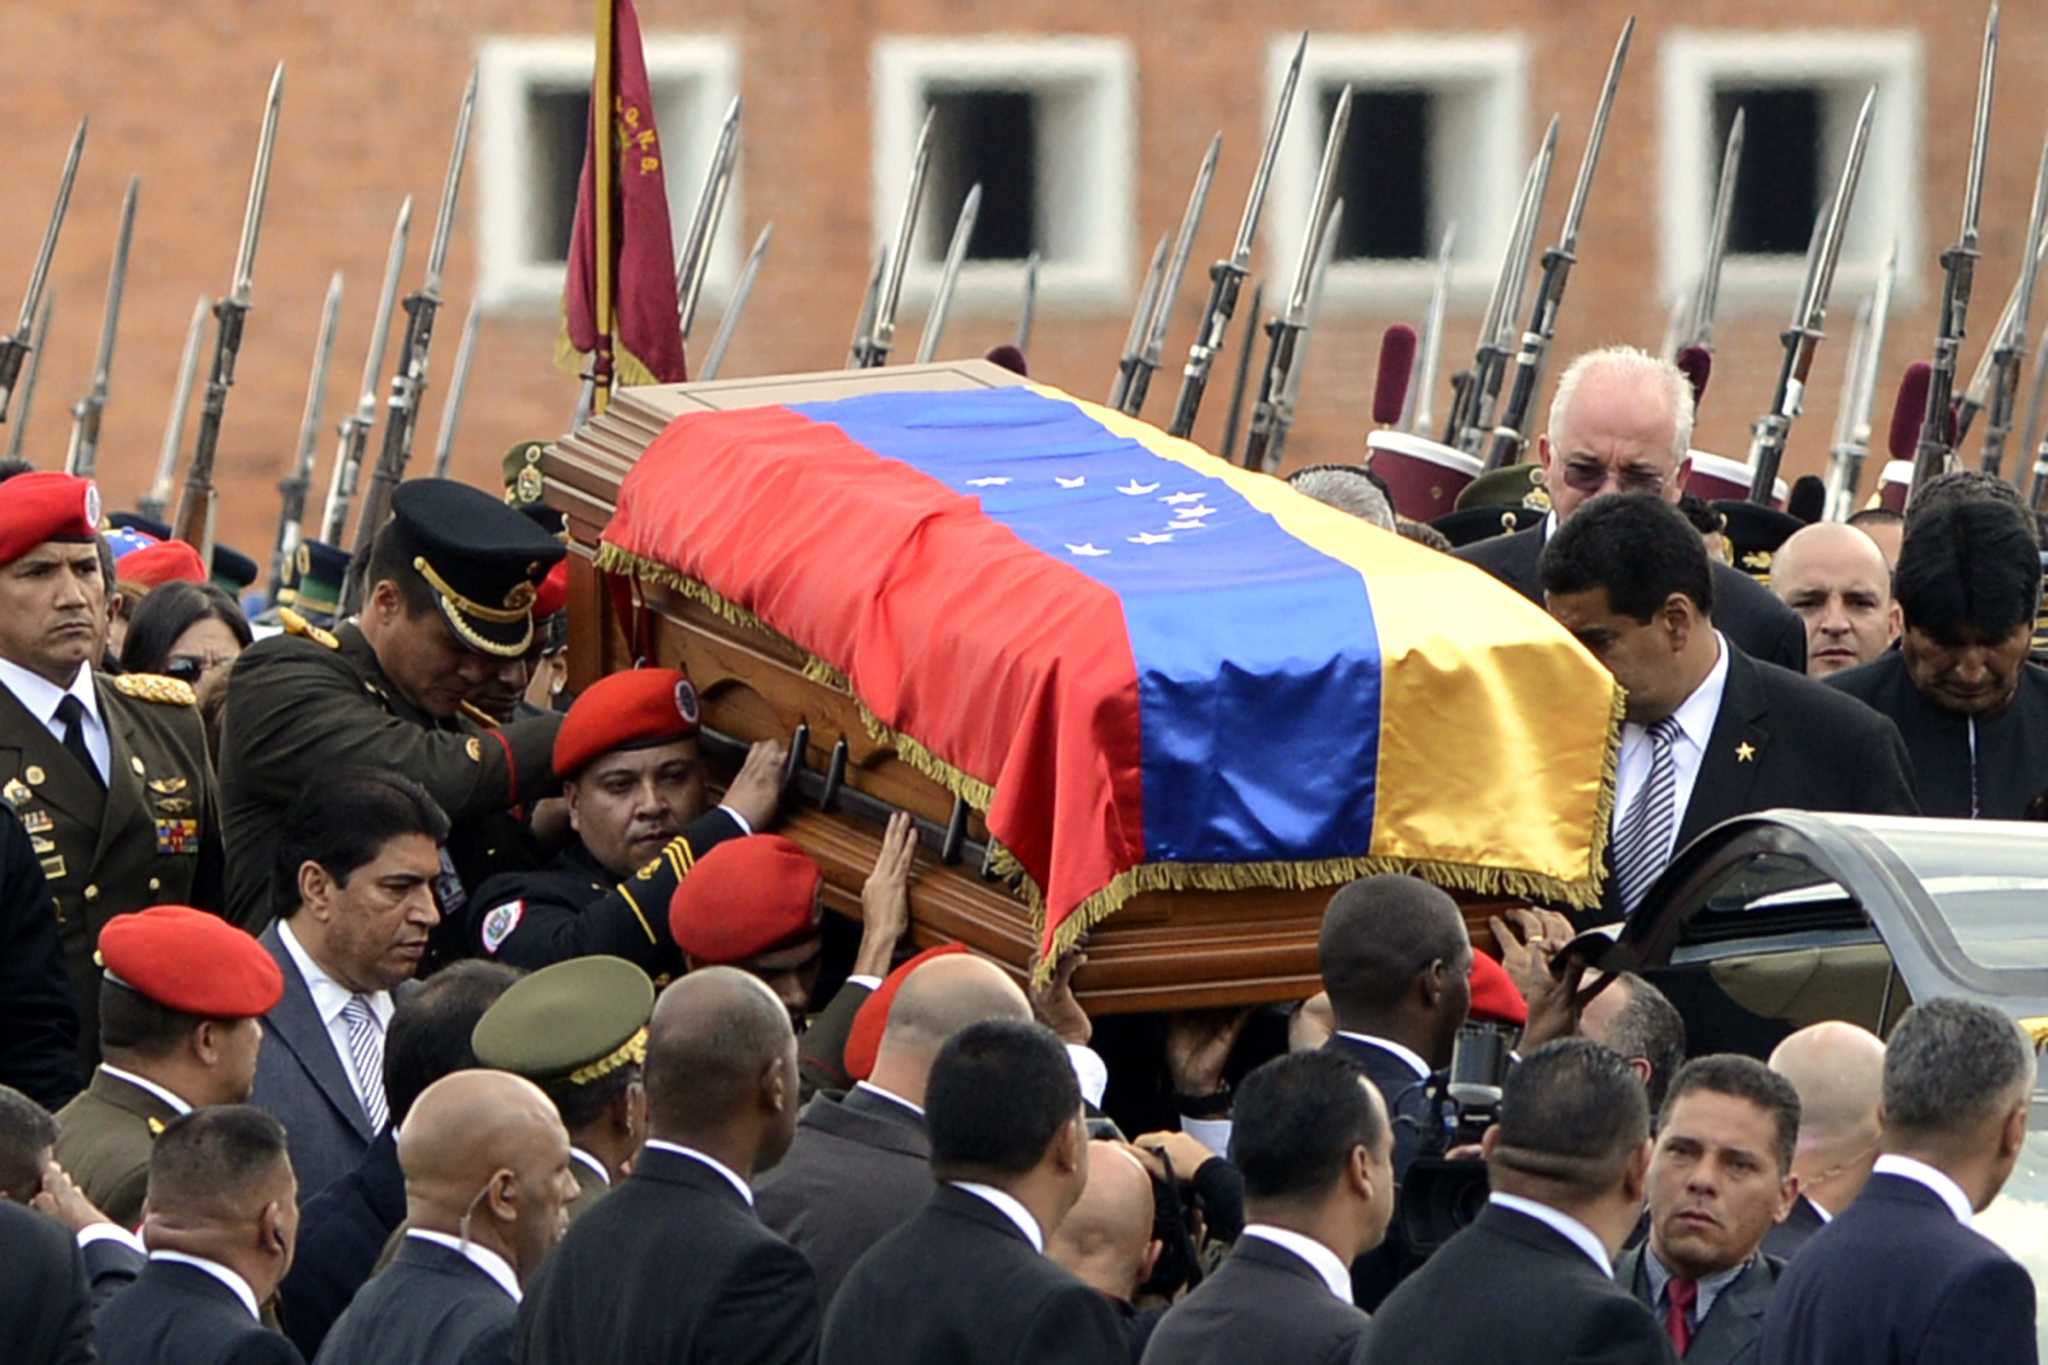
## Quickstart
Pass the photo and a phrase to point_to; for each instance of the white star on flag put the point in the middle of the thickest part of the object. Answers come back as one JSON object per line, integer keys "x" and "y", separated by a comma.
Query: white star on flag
{"x": 1074, "y": 482}
{"x": 1147, "y": 538}
{"x": 1137, "y": 490}
{"x": 1085, "y": 550}
{"x": 1196, "y": 512}
{"x": 1176, "y": 499}
{"x": 990, "y": 482}
{"x": 1186, "y": 526}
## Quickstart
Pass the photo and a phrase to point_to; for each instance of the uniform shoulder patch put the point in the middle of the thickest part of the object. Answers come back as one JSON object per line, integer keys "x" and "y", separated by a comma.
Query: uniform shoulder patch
{"x": 295, "y": 624}
{"x": 155, "y": 687}
{"x": 500, "y": 922}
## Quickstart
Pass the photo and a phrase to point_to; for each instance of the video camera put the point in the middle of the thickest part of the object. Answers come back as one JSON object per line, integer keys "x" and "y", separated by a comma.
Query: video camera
{"x": 1439, "y": 1195}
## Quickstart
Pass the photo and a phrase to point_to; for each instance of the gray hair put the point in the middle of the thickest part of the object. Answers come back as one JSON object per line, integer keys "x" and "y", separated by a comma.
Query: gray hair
{"x": 1950, "y": 1065}
{"x": 1648, "y": 1026}
{"x": 1635, "y": 363}
{"x": 1346, "y": 488}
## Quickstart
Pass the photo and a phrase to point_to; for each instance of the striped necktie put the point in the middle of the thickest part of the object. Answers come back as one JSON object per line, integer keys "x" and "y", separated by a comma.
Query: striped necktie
{"x": 1642, "y": 846}
{"x": 366, "y": 1056}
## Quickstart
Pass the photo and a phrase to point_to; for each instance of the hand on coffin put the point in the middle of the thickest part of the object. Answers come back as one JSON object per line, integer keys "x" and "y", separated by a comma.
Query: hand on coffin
{"x": 1055, "y": 1006}
{"x": 885, "y": 898}
{"x": 755, "y": 792}
{"x": 1198, "y": 1043}
{"x": 1525, "y": 944}
{"x": 1311, "y": 1024}
{"x": 1184, "y": 1153}
{"x": 1555, "y": 1002}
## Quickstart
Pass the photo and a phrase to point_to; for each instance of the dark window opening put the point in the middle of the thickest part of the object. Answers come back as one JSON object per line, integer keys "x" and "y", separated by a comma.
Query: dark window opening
{"x": 989, "y": 138}
{"x": 560, "y": 121}
{"x": 1382, "y": 173}
{"x": 1779, "y": 186}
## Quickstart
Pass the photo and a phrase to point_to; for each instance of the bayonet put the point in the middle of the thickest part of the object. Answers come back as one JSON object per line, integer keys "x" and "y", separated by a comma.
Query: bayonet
{"x": 29, "y": 375}
{"x": 1154, "y": 342}
{"x": 881, "y": 334}
{"x": 1474, "y": 391}
{"x": 864, "y": 320}
{"x": 1678, "y": 321}
{"x": 1290, "y": 400}
{"x": 1415, "y": 405}
{"x": 714, "y": 359}
{"x": 84, "y": 455}
{"x": 1226, "y": 277}
{"x": 157, "y": 500}
{"x": 1027, "y": 309}
{"x": 949, "y": 276}
{"x": 1233, "y": 415}
{"x": 2037, "y": 395}
{"x": 15, "y": 345}
{"x": 294, "y": 485}
{"x": 458, "y": 384}
{"x": 1707, "y": 300}
{"x": 1134, "y": 338}
{"x": 355, "y": 428}
{"x": 1859, "y": 390}
{"x": 1978, "y": 395}
{"x": 694, "y": 263}
{"x": 2010, "y": 341}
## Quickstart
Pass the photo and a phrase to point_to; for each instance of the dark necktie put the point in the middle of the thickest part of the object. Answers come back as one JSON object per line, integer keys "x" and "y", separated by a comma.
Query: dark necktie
{"x": 1679, "y": 1296}
{"x": 72, "y": 712}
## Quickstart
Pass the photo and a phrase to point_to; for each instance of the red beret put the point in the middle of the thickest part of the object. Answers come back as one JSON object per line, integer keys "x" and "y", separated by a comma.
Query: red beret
{"x": 864, "y": 1039}
{"x": 191, "y": 961}
{"x": 167, "y": 561}
{"x": 553, "y": 593}
{"x": 630, "y": 710}
{"x": 1495, "y": 1000}
{"x": 46, "y": 505}
{"x": 744, "y": 898}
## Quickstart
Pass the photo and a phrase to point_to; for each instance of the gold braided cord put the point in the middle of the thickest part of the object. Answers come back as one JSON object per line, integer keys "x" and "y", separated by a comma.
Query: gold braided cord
{"x": 501, "y": 616}
{"x": 631, "y": 1052}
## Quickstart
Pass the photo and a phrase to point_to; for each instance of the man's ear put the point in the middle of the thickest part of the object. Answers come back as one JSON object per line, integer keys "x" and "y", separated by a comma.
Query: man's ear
{"x": 1680, "y": 475}
{"x": 1544, "y": 456}
{"x": 204, "y": 1042}
{"x": 2015, "y": 1135}
{"x": 1637, "y": 1179}
{"x": 1895, "y": 621}
{"x": 1432, "y": 982}
{"x": 1070, "y": 1144}
{"x": 1489, "y": 1140}
{"x": 569, "y": 794}
{"x": 1149, "y": 1262}
{"x": 1788, "y": 1196}
{"x": 1358, "y": 1171}
{"x": 775, "y": 1095}
{"x": 501, "y": 1196}
{"x": 315, "y": 886}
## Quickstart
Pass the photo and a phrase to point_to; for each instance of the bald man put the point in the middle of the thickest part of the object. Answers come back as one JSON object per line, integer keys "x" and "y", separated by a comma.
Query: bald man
{"x": 1838, "y": 581}
{"x": 861, "y": 1162}
{"x": 486, "y": 1162}
{"x": 674, "y": 1264}
{"x": 1106, "y": 1240}
{"x": 1838, "y": 1070}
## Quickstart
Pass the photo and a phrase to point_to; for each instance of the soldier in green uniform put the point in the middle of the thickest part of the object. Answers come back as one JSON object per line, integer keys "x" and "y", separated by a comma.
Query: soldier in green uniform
{"x": 578, "y": 1030}
{"x": 179, "y": 1006}
{"x": 451, "y": 585}
{"x": 109, "y": 775}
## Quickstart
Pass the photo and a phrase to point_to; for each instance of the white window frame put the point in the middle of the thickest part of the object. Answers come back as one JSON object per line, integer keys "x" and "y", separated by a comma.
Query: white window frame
{"x": 704, "y": 70}
{"x": 1493, "y": 156}
{"x": 1693, "y": 61}
{"x": 1092, "y": 180}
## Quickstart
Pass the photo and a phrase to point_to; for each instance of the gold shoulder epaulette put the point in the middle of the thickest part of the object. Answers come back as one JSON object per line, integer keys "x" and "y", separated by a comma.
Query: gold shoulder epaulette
{"x": 155, "y": 687}
{"x": 295, "y": 624}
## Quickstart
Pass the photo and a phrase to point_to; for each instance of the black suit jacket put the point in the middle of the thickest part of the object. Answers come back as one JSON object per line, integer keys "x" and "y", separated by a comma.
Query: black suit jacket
{"x": 1744, "y": 610}
{"x": 960, "y": 1285}
{"x": 111, "y": 1265}
{"x": 177, "y": 1314}
{"x": 431, "y": 1306}
{"x": 38, "y": 1013}
{"x": 1374, "y": 1275}
{"x": 1895, "y": 1278}
{"x": 1510, "y": 1289}
{"x": 860, "y": 1168}
{"x": 342, "y": 1229}
{"x": 1798, "y": 1228}
{"x": 45, "y": 1305}
{"x": 671, "y": 1266}
{"x": 1264, "y": 1303}
{"x": 1729, "y": 1333}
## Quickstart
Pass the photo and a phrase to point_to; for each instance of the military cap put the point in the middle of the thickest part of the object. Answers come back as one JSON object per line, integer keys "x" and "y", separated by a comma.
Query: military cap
{"x": 316, "y": 590}
{"x": 44, "y": 505}
{"x": 1754, "y": 534}
{"x": 636, "y": 709}
{"x": 1472, "y": 524}
{"x": 124, "y": 542}
{"x": 481, "y": 559}
{"x": 744, "y": 898}
{"x": 190, "y": 961}
{"x": 166, "y": 561}
{"x": 864, "y": 1036}
{"x": 1513, "y": 486}
{"x": 576, "y": 1021}
{"x": 232, "y": 570}
{"x": 1495, "y": 999}
{"x": 524, "y": 485}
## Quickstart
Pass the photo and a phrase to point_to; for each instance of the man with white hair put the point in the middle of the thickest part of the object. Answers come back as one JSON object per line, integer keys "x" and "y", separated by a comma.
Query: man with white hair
{"x": 1621, "y": 422}
{"x": 1348, "y": 488}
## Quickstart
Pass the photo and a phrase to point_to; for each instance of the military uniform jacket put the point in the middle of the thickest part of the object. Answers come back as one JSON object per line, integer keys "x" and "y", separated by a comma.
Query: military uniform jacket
{"x": 105, "y": 1140}
{"x": 302, "y": 705}
{"x": 153, "y": 837}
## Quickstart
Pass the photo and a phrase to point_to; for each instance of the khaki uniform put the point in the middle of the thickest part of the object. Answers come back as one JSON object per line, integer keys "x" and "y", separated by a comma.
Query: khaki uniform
{"x": 105, "y": 1141}
{"x": 589, "y": 1189}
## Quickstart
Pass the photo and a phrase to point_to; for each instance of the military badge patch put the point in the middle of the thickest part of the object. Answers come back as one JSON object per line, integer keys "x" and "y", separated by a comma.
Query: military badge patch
{"x": 686, "y": 702}
{"x": 499, "y": 924}
{"x": 177, "y": 836}
{"x": 34, "y": 821}
{"x": 17, "y": 792}
{"x": 167, "y": 786}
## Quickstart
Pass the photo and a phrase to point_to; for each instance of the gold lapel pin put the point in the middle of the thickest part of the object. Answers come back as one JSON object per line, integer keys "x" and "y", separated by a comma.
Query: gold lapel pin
{"x": 1745, "y": 752}
{"x": 135, "y": 762}
{"x": 34, "y": 774}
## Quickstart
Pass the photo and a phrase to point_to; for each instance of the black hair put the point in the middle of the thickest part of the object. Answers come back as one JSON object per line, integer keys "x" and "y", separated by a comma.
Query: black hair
{"x": 343, "y": 821}
{"x": 1295, "y": 1122}
{"x": 1959, "y": 486}
{"x": 1742, "y": 1078}
{"x": 1422, "y": 533}
{"x": 1703, "y": 515}
{"x": 582, "y": 1105}
{"x": 1877, "y": 516}
{"x": 11, "y": 465}
{"x": 428, "y": 1036}
{"x": 1638, "y": 547}
{"x": 27, "y": 1132}
{"x": 1648, "y": 1026}
{"x": 1378, "y": 934}
{"x": 1571, "y": 1114}
{"x": 132, "y": 1022}
{"x": 168, "y": 612}
{"x": 1970, "y": 564}
{"x": 209, "y": 1154}
{"x": 999, "y": 1092}
{"x": 391, "y": 556}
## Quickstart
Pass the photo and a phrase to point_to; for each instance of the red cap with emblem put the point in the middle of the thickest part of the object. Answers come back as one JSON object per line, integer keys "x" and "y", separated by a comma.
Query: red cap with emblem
{"x": 44, "y": 505}
{"x": 553, "y": 593}
{"x": 191, "y": 961}
{"x": 1495, "y": 1000}
{"x": 744, "y": 898}
{"x": 168, "y": 561}
{"x": 864, "y": 1038}
{"x": 631, "y": 710}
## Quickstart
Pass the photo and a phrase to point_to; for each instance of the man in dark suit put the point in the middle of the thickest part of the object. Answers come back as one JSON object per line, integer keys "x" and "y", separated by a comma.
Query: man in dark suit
{"x": 352, "y": 883}
{"x": 1312, "y": 1140}
{"x": 1622, "y": 422}
{"x": 1720, "y": 1178}
{"x": 1531, "y": 1278}
{"x": 45, "y": 1308}
{"x": 1838, "y": 1070}
{"x": 861, "y": 1163}
{"x": 38, "y": 1010}
{"x": 721, "y": 1105}
{"x": 1106, "y": 1240}
{"x": 966, "y": 1282}
{"x": 223, "y": 1213}
{"x": 1710, "y": 733}
{"x": 1900, "y": 1275}
{"x": 486, "y": 1163}
{"x": 30, "y": 1176}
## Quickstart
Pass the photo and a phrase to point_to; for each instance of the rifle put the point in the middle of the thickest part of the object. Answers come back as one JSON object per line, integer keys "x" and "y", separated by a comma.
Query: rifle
{"x": 1235, "y": 411}
{"x": 156, "y": 501}
{"x": 864, "y": 320}
{"x": 1271, "y": 417}
{"x": 949, "y": 276}
{"x": 409, "y": 380}
{"x": 458, "y": 384}
{"x": 35, "y": 368}
{"x": 2009, "y": 342}
{"x": 1959, "y": 267}
{"x": 1803, "y": 337}
{"x": 2035, "y": 399}
{"x": 727, "y": 325}
{"x": 193, "y": 523}
{"x": 1134, "y": 339}
{"x": 1508, "y": 435}
{"x": 1851, "y": 446}
{"x": 693, "y": 264}
{"x": 1289, "y": 402}
{"x": 1977, "y": 397}
{"x": 292, "y": 487}
{"x": 1227, "y": 277}
{"x": 84, "y": 456}
{"x": 872, "y": 349}
{"x": 1706, "y": 301}
{"x": 1028, "y": 308}
{"x": 12, "y": 346}
{"x": 1474, "y": 391}
{"x": 1415, "y": 404}
{"x": 355, "y": 428}
{"x": 1154, "y": 338}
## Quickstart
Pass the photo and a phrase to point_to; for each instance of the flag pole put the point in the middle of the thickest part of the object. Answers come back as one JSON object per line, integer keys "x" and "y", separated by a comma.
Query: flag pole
{"x": 601, "y": 195}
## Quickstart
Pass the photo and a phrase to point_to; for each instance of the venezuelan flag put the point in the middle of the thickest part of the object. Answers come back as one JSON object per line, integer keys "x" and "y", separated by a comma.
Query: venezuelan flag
{"x": 1147, "y": 668}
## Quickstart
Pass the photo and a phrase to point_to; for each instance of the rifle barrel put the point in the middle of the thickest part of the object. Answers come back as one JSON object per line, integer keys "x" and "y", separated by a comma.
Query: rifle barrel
{"x": 35, "y": 369}
{"x": 882, "y": 333}
{"x": 949, "y": 276}
{"x": 294, "y": 485}
{"x": 1153, "y": 347}
{"x": 458, "y": 385}
{"x": 157, "y": 500}
{"x": 14, "y": 346}
{"x": 714, "y": 359}
{"x": 83, "y": 458}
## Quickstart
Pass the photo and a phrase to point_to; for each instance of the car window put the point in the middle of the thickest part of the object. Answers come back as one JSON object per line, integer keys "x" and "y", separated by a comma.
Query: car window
{"x": 2018, "y": 1219}
{"x": 1770, "y": 892}
{"x": 1990, "y": 878}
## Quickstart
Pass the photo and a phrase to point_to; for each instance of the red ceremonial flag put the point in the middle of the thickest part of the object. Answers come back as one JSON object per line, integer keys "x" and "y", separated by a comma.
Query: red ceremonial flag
{"x": 645, "y": 318}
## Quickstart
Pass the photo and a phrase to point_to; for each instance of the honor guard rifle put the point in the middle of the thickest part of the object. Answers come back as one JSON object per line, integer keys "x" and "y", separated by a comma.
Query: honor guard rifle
{"x": 1977, "y": 397}
{"x": 354, "y": 430}
{"x": 1134, "y": 338}
{"x": 694, "y": 263}
{"x": 1851, "y": 445}
{"x": 1415, "y": 404}
{"x": 949, "y": 276}
{"x": 293, "y": 486}
{"x": 409, "y": 380}
{"x": 15, "y": 345}
{"x": 871, "y": 348}
{"x": 84, "y": 456}
{"x": 193, "y": 523}
{"x": 458, "y": 385}
{"x": 1959, "y": 267}
{"x": 155, "y": 503}
{"x": 1706, "y": 299}
{"x": 864, "y": 320}
{"x": 1152, "y": 346}
{"x": 1809, "y": 316}
{"x": 1289, "y": 401}
{"x": 2009, "y": 342}
{"x": 1474, "y": 391}
{"x": 2039, "y": 485}
{"x": 1233, "y": 415}
{"x": 30, "y": 374}
{"x": 1271, "y": 416}
{"x": 714, "y": 359}
{"x": 1027, "y": 308}
{"x": 1509, "y": 435}
{"x": 1227, "y": 276}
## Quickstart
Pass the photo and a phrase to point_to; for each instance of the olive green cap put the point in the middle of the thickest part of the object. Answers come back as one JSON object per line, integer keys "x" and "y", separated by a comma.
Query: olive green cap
{"x": 1509, "y": 487}
{"x": 576, "y": 1021}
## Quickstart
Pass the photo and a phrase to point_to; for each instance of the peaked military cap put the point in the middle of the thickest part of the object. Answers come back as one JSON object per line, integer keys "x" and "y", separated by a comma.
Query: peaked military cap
{"x": 524, "y": 485}
{"x": 1512, "y": 486}
{"x": 1754, "y": 534}
{"x": 1469, "y": 525}
{"x": 316, "y": 591}
{"x": 482, "y": 559}
{"x": 576, "y": 1021}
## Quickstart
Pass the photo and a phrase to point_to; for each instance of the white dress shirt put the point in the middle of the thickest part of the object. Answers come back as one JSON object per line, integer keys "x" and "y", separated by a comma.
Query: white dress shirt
{"x": 219, "y": 1272}
{"x": 1563, "y": 1224}
{"x": 144, "y": 1083}
{"x": 483, "y": 1258}
{"x": 1320, "y": 1258}
{"x": 592, "y": 1164}
{"x": 1010, "y": 1208}
{"x": 1408, "y": 1055}
{"x": 1920, "y": 1173}
{"x": 1696, "y": 715}
{"x": 732, "y": 1177}
{"x": 890, "y": 1096}
{"x": 330, "y": 998}
{"x": 40, "y": 698}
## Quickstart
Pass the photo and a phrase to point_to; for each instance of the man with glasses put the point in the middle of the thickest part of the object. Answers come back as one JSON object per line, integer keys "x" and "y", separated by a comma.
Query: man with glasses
{"x": 1622, "y": 423}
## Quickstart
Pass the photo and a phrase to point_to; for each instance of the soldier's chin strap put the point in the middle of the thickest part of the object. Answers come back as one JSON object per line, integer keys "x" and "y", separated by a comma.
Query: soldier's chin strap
{"x": 635, "y": 617}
